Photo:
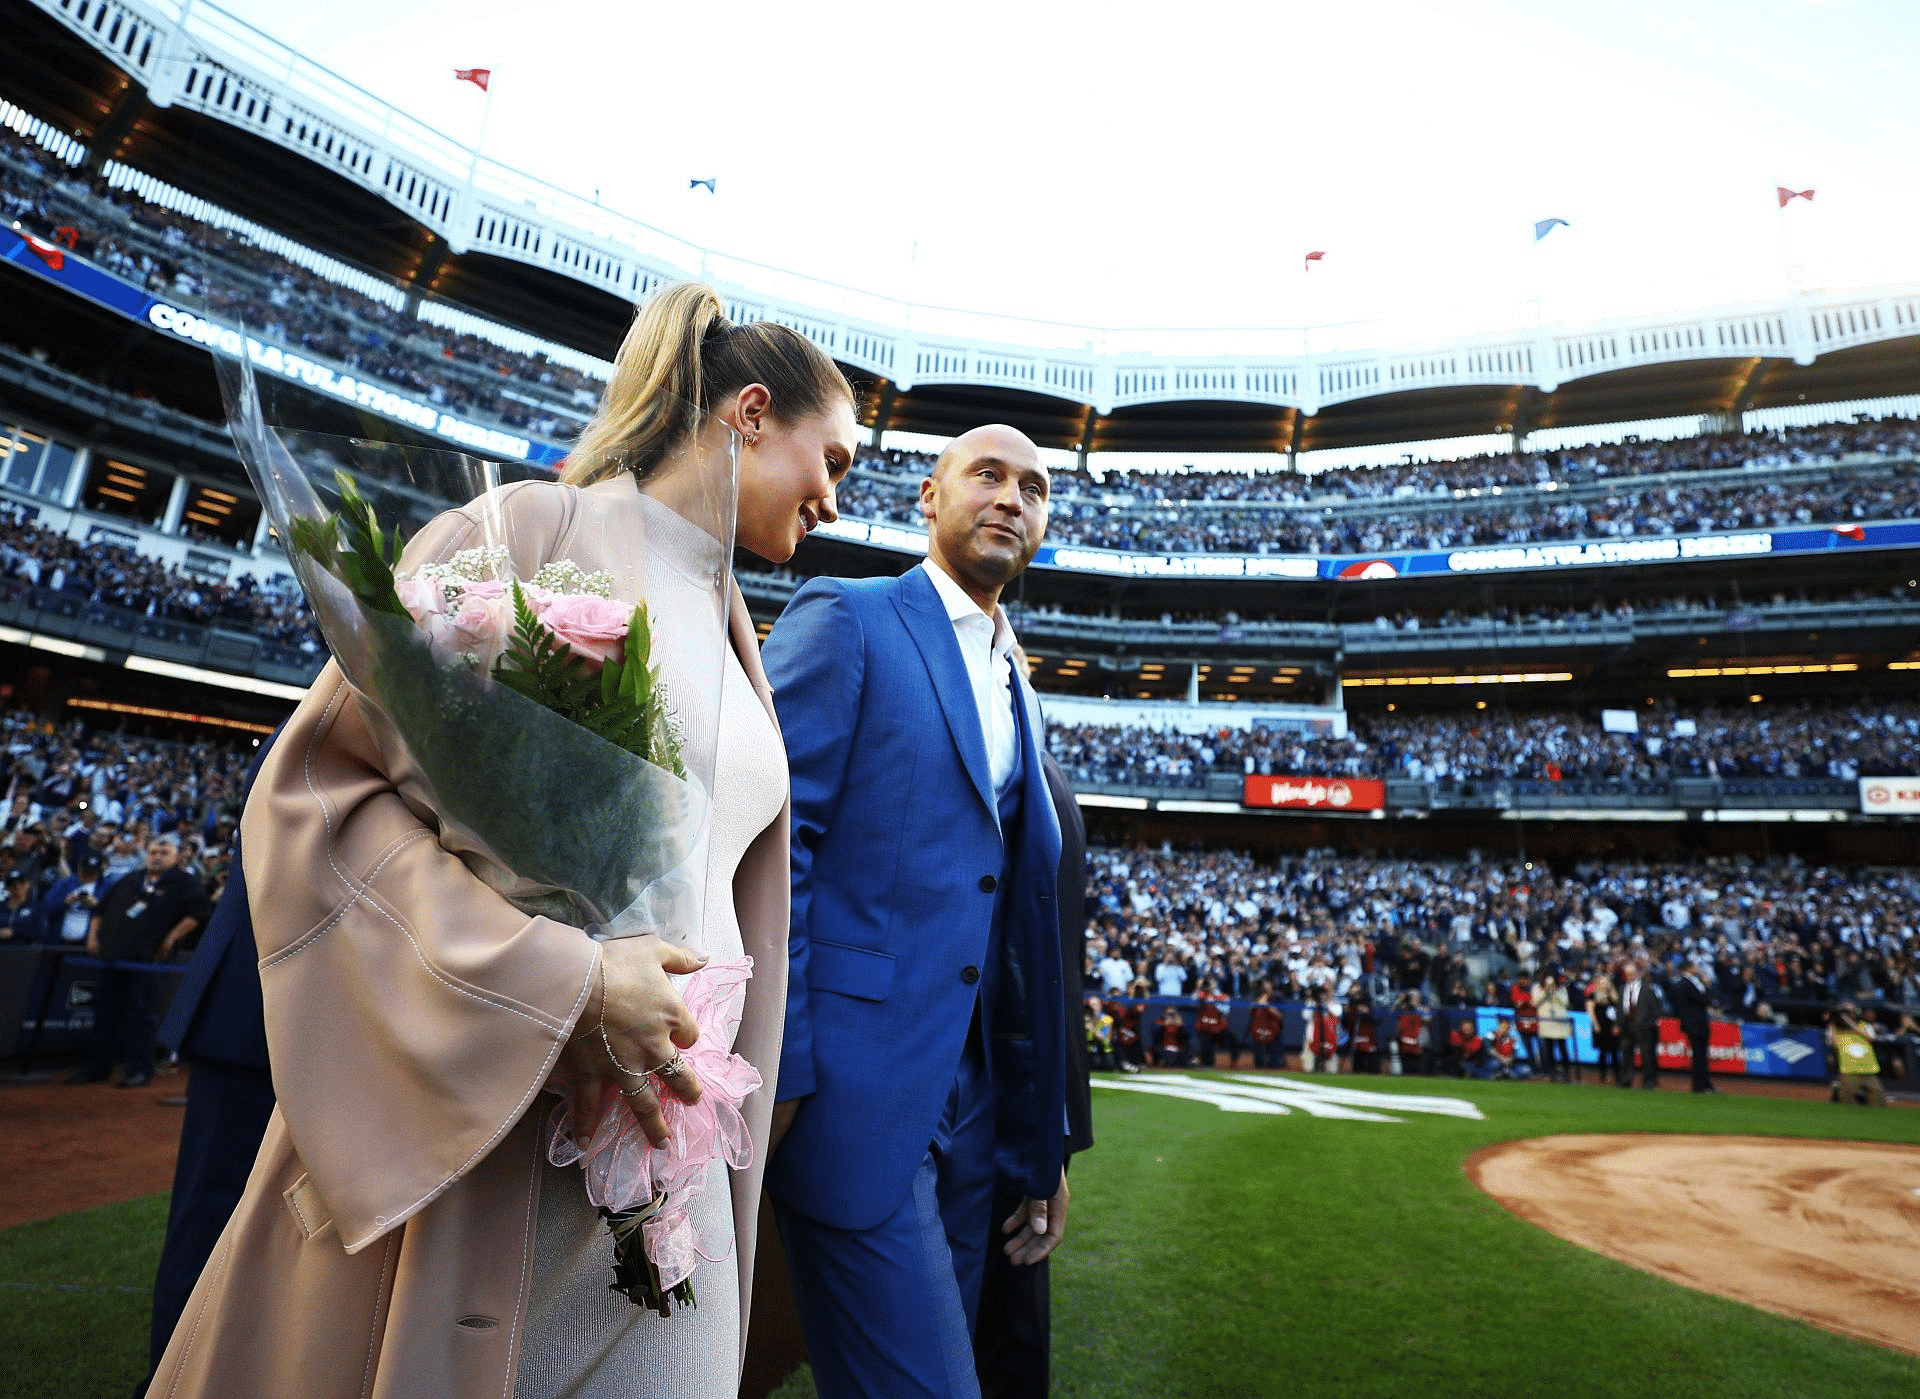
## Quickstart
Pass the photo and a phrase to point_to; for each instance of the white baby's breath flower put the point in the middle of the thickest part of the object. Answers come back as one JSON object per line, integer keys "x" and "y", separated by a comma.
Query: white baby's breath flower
{"x": 566, "y": 576}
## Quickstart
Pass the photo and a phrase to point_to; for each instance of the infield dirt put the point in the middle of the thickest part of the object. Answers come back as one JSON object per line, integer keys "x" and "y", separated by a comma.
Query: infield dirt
{"x": 1825, "y": 1231}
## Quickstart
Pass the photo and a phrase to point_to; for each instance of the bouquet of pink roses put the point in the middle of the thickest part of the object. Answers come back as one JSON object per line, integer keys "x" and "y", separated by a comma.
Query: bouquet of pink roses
{"x": 561, "y": 641}
{"x": 522, "y": 709}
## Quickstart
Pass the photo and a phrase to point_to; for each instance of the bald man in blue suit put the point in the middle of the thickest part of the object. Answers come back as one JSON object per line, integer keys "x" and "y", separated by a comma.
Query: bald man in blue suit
{"x": 925, "y": 1044}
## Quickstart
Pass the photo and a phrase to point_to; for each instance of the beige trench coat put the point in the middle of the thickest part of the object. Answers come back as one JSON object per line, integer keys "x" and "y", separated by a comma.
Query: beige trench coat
{"x": 385, "y": 1242}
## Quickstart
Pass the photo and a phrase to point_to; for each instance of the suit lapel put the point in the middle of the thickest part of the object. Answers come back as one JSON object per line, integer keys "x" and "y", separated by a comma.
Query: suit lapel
{"x": 932, "y": 631}
{"x": 1039, "y": 794}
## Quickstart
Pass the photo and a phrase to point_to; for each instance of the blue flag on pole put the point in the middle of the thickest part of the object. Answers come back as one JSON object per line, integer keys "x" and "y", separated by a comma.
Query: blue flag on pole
{"x": 1545, "y": 226}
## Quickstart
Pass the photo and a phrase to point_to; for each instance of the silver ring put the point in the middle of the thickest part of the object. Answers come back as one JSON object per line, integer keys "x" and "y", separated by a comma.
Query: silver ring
{"x": 673, "y": 1068}
{"x": 646, "y": 1086}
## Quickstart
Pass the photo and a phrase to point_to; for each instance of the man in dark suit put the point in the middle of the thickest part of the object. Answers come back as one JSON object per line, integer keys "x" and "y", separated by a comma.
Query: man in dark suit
{"x": 1011, "y": 1344}
{"x": 1691, "y": 1001}
{"x": 1640, "y": 1028}
{"x": 217, "y": 1026}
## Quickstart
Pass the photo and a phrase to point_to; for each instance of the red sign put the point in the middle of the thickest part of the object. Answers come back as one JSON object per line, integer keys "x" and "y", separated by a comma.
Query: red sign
{"x": 1725, "y": 1052}
{"x": 1370, "y": 568}
{"x": 1317, "y": 793}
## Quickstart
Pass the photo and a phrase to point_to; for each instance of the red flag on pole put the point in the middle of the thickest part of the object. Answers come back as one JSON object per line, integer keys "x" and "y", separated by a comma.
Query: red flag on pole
{"x": 1786, "y": 194}
{"x": 479, "y": 77}
{"x": 1311, "y": 259}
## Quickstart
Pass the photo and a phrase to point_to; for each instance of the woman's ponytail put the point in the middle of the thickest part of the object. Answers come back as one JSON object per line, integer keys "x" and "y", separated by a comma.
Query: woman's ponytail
{"x": 679, "y": 356}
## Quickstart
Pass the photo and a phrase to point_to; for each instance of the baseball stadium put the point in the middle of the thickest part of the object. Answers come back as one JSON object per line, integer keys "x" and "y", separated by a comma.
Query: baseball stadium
{"x": 1484, "y": 735}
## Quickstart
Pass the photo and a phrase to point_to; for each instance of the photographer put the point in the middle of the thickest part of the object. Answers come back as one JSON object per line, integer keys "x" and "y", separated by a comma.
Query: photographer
{"x": 1099, "y": 1031}
{"x": 1852, "y": 1038}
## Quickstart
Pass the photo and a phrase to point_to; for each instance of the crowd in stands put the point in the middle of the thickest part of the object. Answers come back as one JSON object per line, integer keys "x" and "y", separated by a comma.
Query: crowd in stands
{"x": 79, "y": 806}
{"x": 1193, "y": 511}
{"x": 204, "y": 267}
{"x": 1777, "y": 934}
{"x": 1891, "y": 437}
{"x": 1882, "y": 491}
{"x": 1736, "y": 611}
{"x": 1777, "y": 740}
{"x": 113, "y": 576}
{"x": 1574, "y": 466}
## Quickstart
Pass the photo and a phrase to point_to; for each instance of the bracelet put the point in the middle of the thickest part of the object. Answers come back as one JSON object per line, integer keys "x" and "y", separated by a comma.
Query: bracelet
{"x": 606, "y": 1043}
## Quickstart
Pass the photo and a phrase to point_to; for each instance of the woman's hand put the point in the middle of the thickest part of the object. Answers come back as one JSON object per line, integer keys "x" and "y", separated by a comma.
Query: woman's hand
{"x": 635, "y": 1013}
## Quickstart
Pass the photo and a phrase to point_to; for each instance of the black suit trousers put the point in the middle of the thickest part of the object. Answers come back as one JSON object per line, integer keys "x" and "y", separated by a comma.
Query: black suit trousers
{"x": 1702, "y": 1061}
{"x": 1011, "y": 1339}
{"x": 1643, "y": 1040}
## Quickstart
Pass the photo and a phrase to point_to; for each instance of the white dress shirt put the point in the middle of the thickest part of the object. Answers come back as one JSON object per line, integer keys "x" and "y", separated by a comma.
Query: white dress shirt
{"x": 986, "y": 647}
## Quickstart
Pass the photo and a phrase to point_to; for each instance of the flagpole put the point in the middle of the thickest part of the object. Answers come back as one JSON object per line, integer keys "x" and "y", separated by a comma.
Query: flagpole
{"x": 486, "y": 117}
{"x": 1788, "y": 266}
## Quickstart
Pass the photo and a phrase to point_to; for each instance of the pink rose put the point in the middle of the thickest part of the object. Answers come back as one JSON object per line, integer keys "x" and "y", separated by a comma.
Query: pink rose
{"x": 422, "y": 597}
{"x": 484, "y": 589}
{"x": 594, "y": 627}
{"x": 476, "y": 633}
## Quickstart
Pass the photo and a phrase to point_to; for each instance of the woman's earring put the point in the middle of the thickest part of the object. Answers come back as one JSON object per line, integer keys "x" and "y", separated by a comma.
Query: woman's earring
{"x": 752, "y": 439}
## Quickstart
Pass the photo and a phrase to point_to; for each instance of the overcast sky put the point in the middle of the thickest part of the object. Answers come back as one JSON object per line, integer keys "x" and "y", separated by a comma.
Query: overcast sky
{"x": 1117, "y": 165}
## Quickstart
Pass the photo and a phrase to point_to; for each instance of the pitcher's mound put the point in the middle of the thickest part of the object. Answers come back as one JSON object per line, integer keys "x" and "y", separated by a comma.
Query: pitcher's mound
{"x": 1825, "y": 1231}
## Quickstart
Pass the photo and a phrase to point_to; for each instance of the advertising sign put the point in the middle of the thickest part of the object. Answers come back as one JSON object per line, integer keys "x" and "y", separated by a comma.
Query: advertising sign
{"x": 1317, "y": 793}
{"x": 1797, "y": 1053}
{"x": 1726, "y": 1053}
{"x": 1890, "y": 796}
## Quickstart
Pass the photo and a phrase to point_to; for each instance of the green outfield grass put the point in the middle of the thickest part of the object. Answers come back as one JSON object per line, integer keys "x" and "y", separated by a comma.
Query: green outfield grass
{"x": 1221, "y": 1255}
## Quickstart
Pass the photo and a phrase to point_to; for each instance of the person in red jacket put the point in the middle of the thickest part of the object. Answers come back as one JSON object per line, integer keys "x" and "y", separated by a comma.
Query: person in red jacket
{"x": 1527, "y": 1021}
{"x": 1210, "y": 1020}
{"x": 1323, "y": 1036}
{"x": 1363, "y": 1033}
{"x": 1470, "y": 1050}
{"x": 1170, "y": 1040}
{"x": 1512, "y": 1065}
{"x": 1128, "y": 1050}
{"x": 1410, "y": 1029}
{"x": 1265, "y": 1022}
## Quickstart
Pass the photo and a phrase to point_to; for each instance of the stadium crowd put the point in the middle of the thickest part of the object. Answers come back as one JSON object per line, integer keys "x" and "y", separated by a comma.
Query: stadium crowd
{"x": 108, "y": 575}
{"x": 1775, "y": 934}
{"x": 531, "y": 393}
{"x": 205, "y": 267}
{"x": 1777, "y": 740}
{"x": 1889, "y": 438}
{"x": 1882, "y": 491}
{"x": 1736, "y": 611}
{"x": 82, "y": 805}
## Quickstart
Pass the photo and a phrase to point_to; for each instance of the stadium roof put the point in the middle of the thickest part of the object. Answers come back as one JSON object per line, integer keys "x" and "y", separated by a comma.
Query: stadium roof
{"x": 329, "y": 165}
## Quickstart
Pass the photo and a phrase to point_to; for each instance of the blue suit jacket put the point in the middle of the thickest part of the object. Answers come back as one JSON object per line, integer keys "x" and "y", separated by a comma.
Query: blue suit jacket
{"x": 895, "y": 836}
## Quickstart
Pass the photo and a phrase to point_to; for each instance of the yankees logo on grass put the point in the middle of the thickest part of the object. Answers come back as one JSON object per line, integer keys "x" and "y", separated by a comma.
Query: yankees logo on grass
{"x": 1280, "y": 1096}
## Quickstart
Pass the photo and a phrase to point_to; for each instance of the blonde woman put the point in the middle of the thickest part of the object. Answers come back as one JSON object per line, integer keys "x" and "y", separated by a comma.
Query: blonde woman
{"x": 1556, "y": 1028}
{"x": 1603, "y": 1007}
{"x": 402, "y": 1233}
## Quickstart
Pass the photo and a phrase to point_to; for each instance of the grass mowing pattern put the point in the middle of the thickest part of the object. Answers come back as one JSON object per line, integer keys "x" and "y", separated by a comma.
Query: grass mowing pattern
{"x": 1220, "y": 1254}
{"x": 77, "y": 1290}
{"x": 1216, "y": 1255}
